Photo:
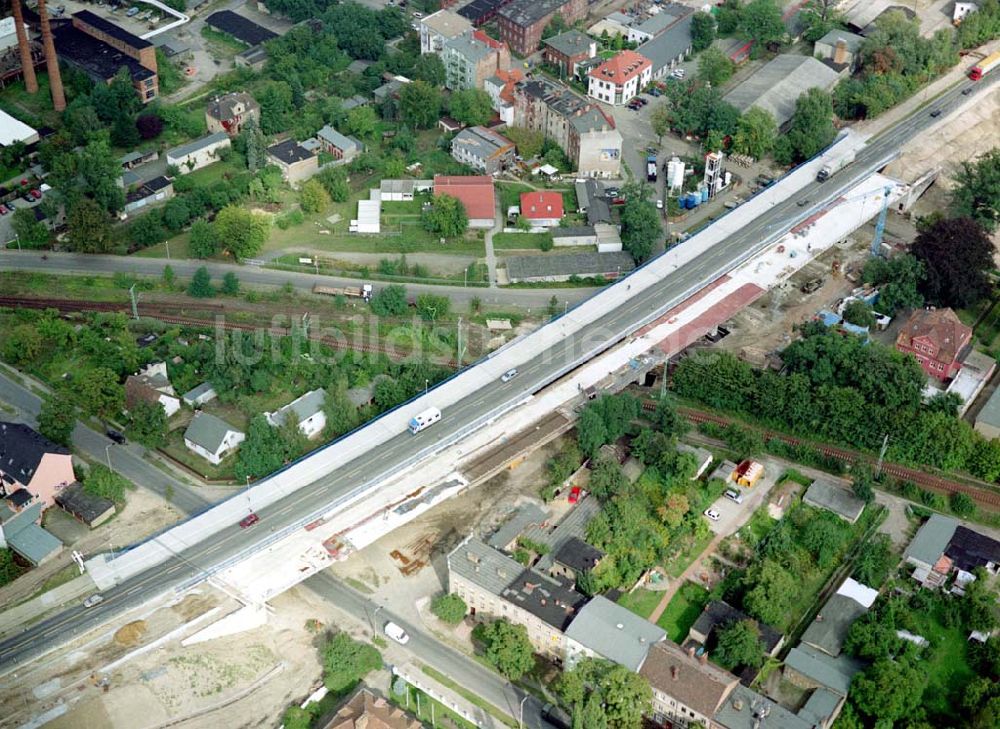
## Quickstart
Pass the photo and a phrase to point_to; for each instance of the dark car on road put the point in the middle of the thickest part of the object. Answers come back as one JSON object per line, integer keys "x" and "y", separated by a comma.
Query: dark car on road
{"x": 116, "y": 437}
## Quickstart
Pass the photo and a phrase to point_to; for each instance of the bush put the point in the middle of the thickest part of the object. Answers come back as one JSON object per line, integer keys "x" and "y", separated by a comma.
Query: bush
{"x": 201, "y": 285}
{"x": 962, "y": 505}
{"x": 449, "y": 607}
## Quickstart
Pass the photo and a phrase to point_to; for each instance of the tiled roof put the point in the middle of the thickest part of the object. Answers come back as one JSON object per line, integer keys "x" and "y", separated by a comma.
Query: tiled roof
{"x": 537, "y": 205}
{"x": 475, "y": 192}
{"x": 21, "y": 450}
{"x": 941, "y": 327}
{"x": 622, "y": 68}
{"x": 700, "y": 686}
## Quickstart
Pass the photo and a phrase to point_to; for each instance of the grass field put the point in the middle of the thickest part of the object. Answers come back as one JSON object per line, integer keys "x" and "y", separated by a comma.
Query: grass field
{"x": 640, "y": 601}
{"x": 683, "y": 610}
{"x": 947, "y": 664}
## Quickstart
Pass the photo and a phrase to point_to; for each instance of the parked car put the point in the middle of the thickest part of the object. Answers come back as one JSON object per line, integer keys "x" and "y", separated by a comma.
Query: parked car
{"x": 95, "y": 599}
{"x": 133, "y": 11}
{"x": 659, "y": 204}
{"x": 966, "y": 92}
{"x": 36, "y": 194}
{"x": 734, "y": 495}
{"x": 249, "y": 521}
{"x": 936, "y": 113}
{"x": 712, "y": 514}
{"x": 3, "y": 209}
{"x": 116, "y": 437}
{"x": 396, "y": 633}
{"x": 574, "y": 494}
{"x": 509, "y": 375}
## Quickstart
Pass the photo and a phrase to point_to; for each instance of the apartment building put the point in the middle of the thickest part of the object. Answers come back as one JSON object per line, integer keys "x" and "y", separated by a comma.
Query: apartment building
{"x": 471, "y": 58}
{"x": 619, "y": 79}
{"x": 566, "y": 50}
{"x": 439, "y": 28}
{"x": 482, "y": 149}
{"x": 522, "y": 21}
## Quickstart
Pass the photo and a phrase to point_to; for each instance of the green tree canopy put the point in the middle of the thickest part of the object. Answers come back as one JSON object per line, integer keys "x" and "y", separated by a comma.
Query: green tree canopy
{"x": 528, "y": 141}
{"x": 446, "y": 217}
{"x": 449, "y": 607}
{"x": 507, "y": 647}
{"x": 760, "y": 21}
{"x": 471, "y": 106}
{"x": 702, "y": 31}
{"x": 88, "y": 227}
{"x": 148, "y": 424}
{"x": 755, "y": 133}
{"x": 313, "y": 196}
{"x": 346, "y": 661}
{"x": 976, "y": 193}
{"x": 204, "y": 242}
{"x": 389, "y": 301}
{"x": 714, "y": 67}
{"x": 420, "y": 104}
{"x": 31, "y": 233}
{"x": 889, "y": 690}
{"x": 599, "y": 693}
{"x": 957, "y": 255}
{"x": 898, "y": 280}
{"x": 241, "y": 232}
{"x": 641, "y": 224}
{"x": 105, "y": 483}
{"x": 201, "y": 284}
{"x": 811, "y": 128}
{"x": 57, "y": 419}
{"x": 739, "y": 644}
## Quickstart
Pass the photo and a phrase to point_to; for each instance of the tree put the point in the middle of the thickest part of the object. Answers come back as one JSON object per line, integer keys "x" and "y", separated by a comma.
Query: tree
{"x": 772, "y": 593}
{"x": 334, "y": 181}
{"x": 9, "y": 569}
{"x": 977, "y": 190}
{"x": 88, "y": 227}
{"x": 204, "y": 242}
{"x": 739, "y": 644}
{"x": 201, "y": 284}
{"x": 31, "y": 233}
{"x": 428, "y": 67}
{"x": 889, "y": 690}
{"x": 529, "y": 142}
{"x": 603, "y": 694}
{"x": 702, "y": 31}
{"x": 313, "y": 196}
{"x": 420, "y": 104}
{"x": 389, "y": 301}
{"x": 554, "y": 27}
{"x": 362, "y": 121}
{"x": 471, "y": 106}
{"x": 148, "y": 229}
{"x": 254, "y": 145}
{"x": 819, "y": 17}
{"x": 660, "y": 119}
{"x": 956, "y": 254}
{"x": 148, "y": 424}
{"x": 446, "y": 217}
{"x": 760, "y": 21}
{"x": 449, "y": 607}
{"x": 898, "y": 280}
{"x": 755, "y": 133}
{"x": 230, "y": 284}
{"x": 176, "y": 213}
{"x": 715, "y": 67}
{"x": 149, "y": 126}
{"x": 98, "y": 169}
{"x": 591, "y": 432}
{"x": 98, "y": 392}
{"x": 261, "y": 453}
{"x": 507, "y": 647}
{"x": 57, "y": 419}
{"x": 241, "y": 232}
{"x": 859, "y": 313}
{"x": 811, "y": 128}
{"x": 962, "y": 505}
{"x": 346, "y": 661}
{"x": 103, "y": 482}
{"x": 640, "y": 220}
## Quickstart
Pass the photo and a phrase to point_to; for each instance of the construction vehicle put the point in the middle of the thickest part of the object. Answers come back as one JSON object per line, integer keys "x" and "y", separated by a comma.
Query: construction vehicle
{"x": 834, "y": 166}
{"x": 984, "y": 66}
{"x": 811, "y": 285}
{"x": 364, "y": 291}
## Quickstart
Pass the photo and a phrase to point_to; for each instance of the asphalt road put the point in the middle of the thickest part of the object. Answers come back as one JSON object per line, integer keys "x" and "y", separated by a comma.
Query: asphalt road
{"x": 616, "y": 323}
{"x": 88, "y": 265}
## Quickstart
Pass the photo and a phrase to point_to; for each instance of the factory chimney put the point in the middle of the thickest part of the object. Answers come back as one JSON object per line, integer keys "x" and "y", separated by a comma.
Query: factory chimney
{"x": 27, "y": 63}
{"x": 51, "y": 60}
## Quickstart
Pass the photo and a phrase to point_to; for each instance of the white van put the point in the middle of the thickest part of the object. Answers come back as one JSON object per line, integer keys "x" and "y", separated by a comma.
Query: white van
{"x": 424, "y": 420}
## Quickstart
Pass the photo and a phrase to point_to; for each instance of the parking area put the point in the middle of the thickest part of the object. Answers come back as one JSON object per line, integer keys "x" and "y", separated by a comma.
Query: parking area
{"x": 734, "y": 515}
{"x": 12, "y": 200}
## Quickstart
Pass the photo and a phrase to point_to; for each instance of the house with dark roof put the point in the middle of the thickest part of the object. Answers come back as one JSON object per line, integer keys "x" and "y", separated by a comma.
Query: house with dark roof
{"x": 686, "y": 689}
{"x": 211, "y": 438}
{"x": 574, "y": 558}
{"x": 744, "y": 708}
{"x": 230, "y": 112}
{"x": 307, "y": 411}
{"x": 566, "y": 50}
{"x": 938, "y": 339}
{"x": 31, "y": 463}
{"x": 295, "y": 161}
{"x": 521, "y": 22}
{"x": 555, "y": 534}
{"x": 525, "y": 516}
{"x": 159, "y": 189}
{"x": 241, "y": 28}
{"x": 604, "y": 629}
{"x": 719, "y": 614}
{"x": 152, "y": 385}
{"x": 86, "y": 507}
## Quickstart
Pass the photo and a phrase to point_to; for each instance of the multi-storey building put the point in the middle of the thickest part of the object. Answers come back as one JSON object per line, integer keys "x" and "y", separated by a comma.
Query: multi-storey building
{"x": 228, "y": 113}
{"x": 439, "y": 28}
{"x": 566, "y": 50}
{"x": 482, "y": 149}
{"x": 500, "y": 87}
{"x": 471, "y": 58}
{"x": 522, "y": 22}
{"x": 619, "y": 79}
{"x": 938, "y": 339}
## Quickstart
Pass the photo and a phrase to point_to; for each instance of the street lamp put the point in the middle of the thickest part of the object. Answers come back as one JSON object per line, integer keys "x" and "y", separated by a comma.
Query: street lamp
{"x": 249, "y": 506}
{"x": 374, "y": 613}
{"x": 427, "y": 384}
{"x": 520, "y": 712}
{"x": 107, "y": 454}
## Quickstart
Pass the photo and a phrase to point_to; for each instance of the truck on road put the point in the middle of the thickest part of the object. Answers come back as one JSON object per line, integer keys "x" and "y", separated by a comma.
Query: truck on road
{"x": 424, "y": 419}
{"x": 364, "y": 291}
{"x": 834, "y": 166}
{"x": 984, "y": 66}
{"x": 651, "y": 168}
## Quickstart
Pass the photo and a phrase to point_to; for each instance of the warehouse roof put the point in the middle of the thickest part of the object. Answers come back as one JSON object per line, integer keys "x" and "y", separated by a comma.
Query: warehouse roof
{"x": 672, "y": 43}
{"x": 475, "y": 192}
{"x": 112, "y": 30}
{"x": 529, "y": 12}
{"x": 14, "y": 130}
{"x": 240, "y": 28}
{"x": 197, "y": 145}
{"x": 777, "y": 85}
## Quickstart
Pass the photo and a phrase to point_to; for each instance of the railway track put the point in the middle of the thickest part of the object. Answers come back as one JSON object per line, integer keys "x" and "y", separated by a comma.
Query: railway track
{"x": 167, "y": 312}
{"x": 930, "y": 481}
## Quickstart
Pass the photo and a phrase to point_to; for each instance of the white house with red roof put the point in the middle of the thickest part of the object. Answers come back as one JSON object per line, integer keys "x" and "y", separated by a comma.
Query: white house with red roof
{"x": 619, "y": 79}
{"x": 543, "y": 209}
{"x": 476, "y": 194}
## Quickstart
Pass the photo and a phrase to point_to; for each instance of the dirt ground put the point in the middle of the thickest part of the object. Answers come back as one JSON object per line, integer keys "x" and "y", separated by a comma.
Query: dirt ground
{"x": 143, "y": 514}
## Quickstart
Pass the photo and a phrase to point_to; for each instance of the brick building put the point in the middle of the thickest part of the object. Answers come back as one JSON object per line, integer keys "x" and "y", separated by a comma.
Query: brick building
{"x": 229, "y": 112}
{"x": 938, "y": 339}
{"x": 567, "y": 49}
{"x": 522, "y": 22}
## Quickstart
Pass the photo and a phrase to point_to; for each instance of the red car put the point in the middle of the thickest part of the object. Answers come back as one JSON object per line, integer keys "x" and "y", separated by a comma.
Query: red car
{"x": 37, "y": 194}
{"x": 574, "y": 494}
{"x": 249, "y": 521}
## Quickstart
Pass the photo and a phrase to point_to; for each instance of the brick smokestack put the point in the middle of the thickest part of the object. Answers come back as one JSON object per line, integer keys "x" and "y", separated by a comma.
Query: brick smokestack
{"x": 27, "y": 63}
{"x": 840, "y": 52}
{"x": 51, "y": 60}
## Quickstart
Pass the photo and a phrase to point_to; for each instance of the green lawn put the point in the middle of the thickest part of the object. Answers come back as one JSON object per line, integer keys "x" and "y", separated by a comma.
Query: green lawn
{"x": 946, "y": 664}
{"x": 691, "y": 551}
{"x": 521, "y": 241}
{"x": 640, "y": 601}
{"x": 683, "y": 610}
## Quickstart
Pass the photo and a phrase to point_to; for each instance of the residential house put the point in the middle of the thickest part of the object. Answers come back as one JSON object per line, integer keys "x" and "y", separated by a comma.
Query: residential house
{"x": 21, "y": 531}
{"x": 824, "y": 493}
{"x": 942, "y": 545}
{"x": 439, "y": 28}
{"x": 307, "y": 411}
{"x": 938, "y": 340}
{"x": 566, "y": 50}
{"x": 152, "y": 385}
{"x": 778, "y": 84}
{"x": 686, "y": 689}
{"x": 829, "y": 628}
{"x": 31, "y": 462}
{"x": 668, "y": 15}
{"x": 585, "y": 133}
{"x": 471, "y": 58}
{"x": 476, "y": 194}
{"x": 543, "y": 209}
{"x": 521, "y": 22}
{"x": 341, "y": 146}
{"x": 230, "y": 112}
{"x": 591, "y": 200}
{"x": 500, "y": 87}
{"x": 295, "y": 161}
{"x": 483, "y": 149}
{"x": 86, "y": 507}
{"x": 744, "y": 708}
{"x": 619, "y": 79}
{"x": 668, "y": 49}
{"x": 604, "y": 629}
{"x": 839, "y": 48}
{"x": 555, "y": 534}
{"x": 211, "y": 438}
{"x": 718, "y": 614}
{"x": 198, "y": 396}
{"x": 365, "y": 710}
{"x": 809, "y": 668}
{"x": 100, "y": 49}
{"x": 575, "y": 558}
{"x": 199, "y": 153}
{"x": 148, "y": 193}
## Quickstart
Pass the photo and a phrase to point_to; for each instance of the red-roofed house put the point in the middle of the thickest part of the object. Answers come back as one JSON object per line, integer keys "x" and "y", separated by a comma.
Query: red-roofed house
{"x": 620, "y": 78}
{"x": 542, "y": 209}
{"x": 937, "y": 338}
{"x": 476, "y": 194}
{"x": 500, "y": 87}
